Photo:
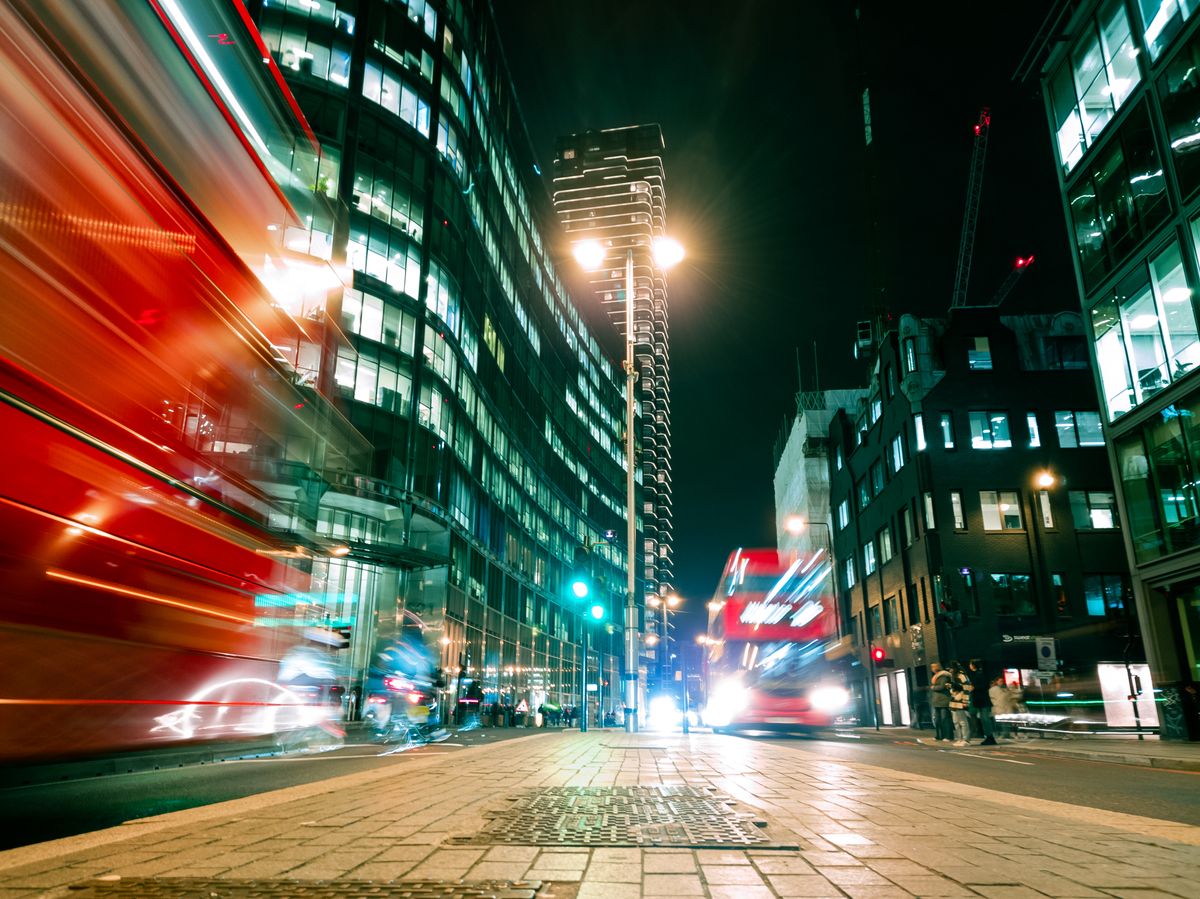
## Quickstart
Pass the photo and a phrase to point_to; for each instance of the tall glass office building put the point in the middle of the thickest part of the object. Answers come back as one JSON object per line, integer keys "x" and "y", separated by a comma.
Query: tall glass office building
{"x": 1123, "y": 101}
{"x": 493, "y": 414}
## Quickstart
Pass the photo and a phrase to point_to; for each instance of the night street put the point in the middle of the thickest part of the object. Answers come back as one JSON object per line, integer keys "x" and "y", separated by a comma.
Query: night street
{"x": 521, "y": 449}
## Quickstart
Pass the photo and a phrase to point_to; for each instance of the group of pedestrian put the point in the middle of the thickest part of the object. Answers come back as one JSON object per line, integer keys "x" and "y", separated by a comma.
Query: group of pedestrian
{"x": 964, "y": 702}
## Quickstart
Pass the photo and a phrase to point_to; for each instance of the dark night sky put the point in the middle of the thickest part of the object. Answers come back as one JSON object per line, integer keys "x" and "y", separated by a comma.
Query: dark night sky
{"x": 760, "y": 104}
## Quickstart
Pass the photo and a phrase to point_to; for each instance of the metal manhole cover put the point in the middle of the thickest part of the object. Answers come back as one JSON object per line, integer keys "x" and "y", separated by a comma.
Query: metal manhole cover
{"x": 211, "y": 888}
{"x": 622, "y": 816}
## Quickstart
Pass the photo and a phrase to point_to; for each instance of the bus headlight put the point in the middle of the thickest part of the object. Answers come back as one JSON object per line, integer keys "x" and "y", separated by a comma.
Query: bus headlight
{"x": 829, "y": 699}
{"x": 726, "y": 701}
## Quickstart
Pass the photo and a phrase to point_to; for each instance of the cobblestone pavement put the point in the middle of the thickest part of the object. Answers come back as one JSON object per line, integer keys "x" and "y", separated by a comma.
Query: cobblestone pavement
{"x": 861, "y": 831}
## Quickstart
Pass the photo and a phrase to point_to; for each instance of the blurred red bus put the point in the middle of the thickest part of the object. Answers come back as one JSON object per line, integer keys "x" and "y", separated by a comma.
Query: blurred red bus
{"x": 138, "y": 568}
{"x": 772, "y": 624}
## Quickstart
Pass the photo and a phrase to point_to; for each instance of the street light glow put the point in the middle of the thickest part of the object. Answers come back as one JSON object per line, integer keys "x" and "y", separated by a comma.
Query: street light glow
{"x": 1045, "y": 480}
{"x": 589, "y": 254}
{"x": 673, "y": 600}
{"x": 794, "y": 524}
{"x": 667, "y": 252}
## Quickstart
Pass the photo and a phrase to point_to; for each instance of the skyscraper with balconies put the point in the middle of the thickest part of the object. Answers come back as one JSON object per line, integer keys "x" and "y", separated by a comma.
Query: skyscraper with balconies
{"x": 609, "y": 186}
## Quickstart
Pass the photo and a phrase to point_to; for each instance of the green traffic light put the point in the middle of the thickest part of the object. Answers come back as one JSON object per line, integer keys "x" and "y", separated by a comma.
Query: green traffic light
{"x": 580, "y": 589}
{"x": 597, "y": 611}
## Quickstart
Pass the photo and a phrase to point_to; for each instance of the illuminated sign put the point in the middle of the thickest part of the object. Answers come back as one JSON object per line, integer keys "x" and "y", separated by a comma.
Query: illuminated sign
{"x": 774, "y": 612}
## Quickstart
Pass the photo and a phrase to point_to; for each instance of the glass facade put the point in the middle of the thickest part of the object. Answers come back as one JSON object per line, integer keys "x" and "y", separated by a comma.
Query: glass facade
{"x": 1145, "y": 332}
{"x": 495, "y": 419}
{"x": 1118, "y": 199}
{"x": 1091, "y": 84}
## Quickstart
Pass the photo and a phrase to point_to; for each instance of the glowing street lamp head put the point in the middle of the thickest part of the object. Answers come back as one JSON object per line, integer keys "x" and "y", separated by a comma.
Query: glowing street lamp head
{"x": 589, "y": 254}
{"x": 667, "y": 252}
{"x": 794, "y": 524}
{"x": 673, "y": 600}
{"x": 1044, "y": 479}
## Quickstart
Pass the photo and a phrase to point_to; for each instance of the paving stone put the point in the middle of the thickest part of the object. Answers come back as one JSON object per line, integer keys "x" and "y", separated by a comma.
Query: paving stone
{"x": 931, "y": 886}
{"x": 842, "y": 876}
{"x": 730, "y": 874}
{"x": 614, "y": 872}
{"x": 788, "y": 885}
{"x": 606, "y": 890}
{"x": 673, "y": 863}
{"x": 671, "y": 885}
{"x": 740, "y": 891}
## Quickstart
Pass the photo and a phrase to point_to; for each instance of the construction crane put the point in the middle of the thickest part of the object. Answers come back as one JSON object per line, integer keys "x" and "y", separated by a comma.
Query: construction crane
{"x": 966, "y": 244}
{"x": 1018, "y": 269}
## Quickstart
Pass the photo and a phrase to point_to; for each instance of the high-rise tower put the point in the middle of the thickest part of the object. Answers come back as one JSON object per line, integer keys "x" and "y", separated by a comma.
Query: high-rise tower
{"x": 609, "y": 186}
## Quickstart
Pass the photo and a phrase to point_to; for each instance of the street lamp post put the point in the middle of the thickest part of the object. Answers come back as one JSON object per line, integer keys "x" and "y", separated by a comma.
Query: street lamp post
{"x": 591, "y": 255}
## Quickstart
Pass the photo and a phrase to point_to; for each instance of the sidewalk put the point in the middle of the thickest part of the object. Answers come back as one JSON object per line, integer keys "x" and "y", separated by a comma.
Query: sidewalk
{"x": 735, "y": 819}
{"x": 1124, "y": 750}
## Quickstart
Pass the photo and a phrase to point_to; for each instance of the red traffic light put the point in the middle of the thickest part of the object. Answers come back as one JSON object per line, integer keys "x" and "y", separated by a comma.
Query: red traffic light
{"x": 877, "y": 654}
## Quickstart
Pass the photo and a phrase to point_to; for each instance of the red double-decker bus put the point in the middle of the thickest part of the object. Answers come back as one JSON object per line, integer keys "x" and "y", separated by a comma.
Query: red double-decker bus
{"x": 771, "y": 634}
{"x": 144, "y": 576}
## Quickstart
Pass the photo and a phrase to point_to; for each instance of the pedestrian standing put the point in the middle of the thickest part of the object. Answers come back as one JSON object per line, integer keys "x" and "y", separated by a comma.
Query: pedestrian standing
{"x": 960, "y": 702}
{"x": 981, "y": 702}
{"x": 1004, "y": 702}
{"x": 939, "y": 702}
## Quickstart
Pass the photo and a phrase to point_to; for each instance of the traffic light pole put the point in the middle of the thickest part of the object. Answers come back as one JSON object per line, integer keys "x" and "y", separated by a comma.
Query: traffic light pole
{"x": 583, "y": 681}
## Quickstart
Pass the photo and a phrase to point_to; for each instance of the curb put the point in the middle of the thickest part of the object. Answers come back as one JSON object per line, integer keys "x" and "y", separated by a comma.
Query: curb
{"x": 1165, "y": 763}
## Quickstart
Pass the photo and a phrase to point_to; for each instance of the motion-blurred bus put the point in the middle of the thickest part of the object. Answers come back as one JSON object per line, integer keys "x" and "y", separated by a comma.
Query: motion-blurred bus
{"x": 772, "y": 627}
{"x": 152, "y": 587}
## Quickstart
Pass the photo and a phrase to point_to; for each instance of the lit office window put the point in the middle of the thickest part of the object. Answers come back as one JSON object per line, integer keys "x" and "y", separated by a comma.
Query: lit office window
{"x": 848, "y": 574}
{"x": 886, "y": 547}
{"x": 1078, "y": 429}
{"x": 878, "y": 480}
{"x": 1001, "y": 510}
{"x": 1094, "y": 509}
{"x": 1162, "y": 20}
{"x": 1043, "y": 499}
{"x": 919, "y": 426}
{"x": 897, "y": 455}
{"x": 979, "y": 357}
{"x": 946, "y": 424}
{"x": 989, "y": 430}
{"x": 868, "y": 552}
{"x": 956, "y": 506}
{"x": 929, "y": 519}
{"x": 1107, "y": 595}
{"x": 1031, "y": 422}
{"x": 843, "y": 514}
{"x": 1092, "y": 83}
{"x": 1145, "y": 332}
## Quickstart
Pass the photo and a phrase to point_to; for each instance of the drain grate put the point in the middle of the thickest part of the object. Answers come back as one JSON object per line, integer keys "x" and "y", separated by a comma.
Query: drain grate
{"x": 621, "y": 816}
{"x": 209, "y": 888}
